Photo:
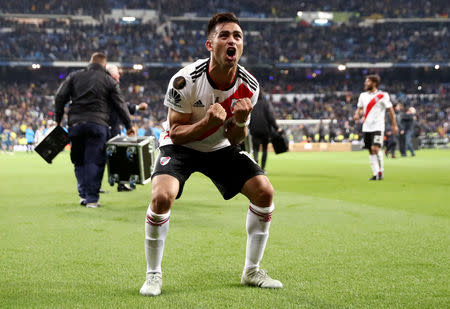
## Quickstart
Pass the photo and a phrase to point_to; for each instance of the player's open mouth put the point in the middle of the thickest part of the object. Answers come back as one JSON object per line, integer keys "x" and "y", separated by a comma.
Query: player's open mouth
{"x": 231, "y": 52}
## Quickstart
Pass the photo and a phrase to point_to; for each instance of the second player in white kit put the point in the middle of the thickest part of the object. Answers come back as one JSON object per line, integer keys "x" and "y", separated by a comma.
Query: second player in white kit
{"x": 373, "y": 104}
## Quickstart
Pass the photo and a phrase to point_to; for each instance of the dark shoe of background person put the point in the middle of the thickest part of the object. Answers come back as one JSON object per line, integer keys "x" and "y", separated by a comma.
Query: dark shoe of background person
{"x": 374, "y": 177}
{"x": 83, "y": 202}
{"x": 122, "y": 187}
{"x": 101, "y": 191}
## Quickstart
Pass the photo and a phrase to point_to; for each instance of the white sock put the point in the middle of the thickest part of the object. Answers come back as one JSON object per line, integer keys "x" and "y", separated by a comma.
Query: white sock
{"x": 258, "y": 223}
{"x": 156, "y": 229}
{"x": 380, "y": 161}
{"x": 374, "y": 164}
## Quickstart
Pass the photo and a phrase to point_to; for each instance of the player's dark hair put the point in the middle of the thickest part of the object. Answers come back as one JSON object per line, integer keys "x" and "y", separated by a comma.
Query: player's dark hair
{"x": 374, "y": 78}
{"x": 98, "y": 58}
{"x": 221, "y": 18}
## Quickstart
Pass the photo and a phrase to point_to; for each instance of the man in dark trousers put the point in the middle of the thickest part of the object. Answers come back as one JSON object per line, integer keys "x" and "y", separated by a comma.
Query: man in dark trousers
{"x": 92, "y": 92}
{"x": 262, "y": 122}
{"x": 408, "y": 127}
{"x": 401, "y": 132}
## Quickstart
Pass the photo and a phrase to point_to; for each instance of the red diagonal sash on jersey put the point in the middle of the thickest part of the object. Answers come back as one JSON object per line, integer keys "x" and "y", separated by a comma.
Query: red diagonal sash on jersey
{"x": 240, "y": 93}
{"x": 372, "y": 103}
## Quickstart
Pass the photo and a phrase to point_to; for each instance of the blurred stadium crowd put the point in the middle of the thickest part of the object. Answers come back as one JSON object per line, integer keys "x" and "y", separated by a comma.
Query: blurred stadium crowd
{"x": 243, "y": 8}
{"x": 30, "y": 105}
{"x": 185, "y": 42}
{"x": 299, "y": 92}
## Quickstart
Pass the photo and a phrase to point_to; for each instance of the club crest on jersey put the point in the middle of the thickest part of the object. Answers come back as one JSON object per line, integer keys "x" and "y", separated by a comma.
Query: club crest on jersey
{"x": 164, "y": 160}
{"x": 174, "y": 98}
{"x": 233, "y": 103}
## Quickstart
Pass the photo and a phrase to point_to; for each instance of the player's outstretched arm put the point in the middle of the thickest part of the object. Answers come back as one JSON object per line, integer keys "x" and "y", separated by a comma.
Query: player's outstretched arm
{"x": 182, "y": 131}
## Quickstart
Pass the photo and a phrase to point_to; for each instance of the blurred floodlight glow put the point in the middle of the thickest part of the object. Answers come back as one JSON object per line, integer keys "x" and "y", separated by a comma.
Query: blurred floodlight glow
{"x": 138, "y": 67}
{"x": 36, "y": 66}
{"x": 325, "y": 15}
{"x": 341, "y": 67}
{"x": 436, "y": 67}
{"x": 129, "y": 19}
{"x": 321, "y": 21}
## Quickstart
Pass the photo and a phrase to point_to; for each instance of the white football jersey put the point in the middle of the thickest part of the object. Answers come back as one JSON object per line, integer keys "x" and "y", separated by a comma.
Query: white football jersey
{"x": 191, "y": 90}
{"x": 374, "y": 105}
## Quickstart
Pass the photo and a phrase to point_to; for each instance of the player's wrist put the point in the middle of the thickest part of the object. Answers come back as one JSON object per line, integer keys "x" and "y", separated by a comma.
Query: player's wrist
{"x": 242, "y": 124}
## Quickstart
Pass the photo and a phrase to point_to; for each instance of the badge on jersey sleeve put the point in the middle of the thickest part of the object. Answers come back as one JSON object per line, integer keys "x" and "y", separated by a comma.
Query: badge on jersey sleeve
{"x": 179, "y": 83}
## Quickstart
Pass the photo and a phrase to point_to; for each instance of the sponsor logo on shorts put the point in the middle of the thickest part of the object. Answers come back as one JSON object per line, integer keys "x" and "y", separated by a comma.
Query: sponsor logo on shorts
{"x": 164, "y": 160}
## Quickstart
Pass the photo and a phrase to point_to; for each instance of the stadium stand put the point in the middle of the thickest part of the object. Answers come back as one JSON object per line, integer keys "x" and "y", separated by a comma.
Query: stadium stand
{"x": 271, "y": 45}
{"x": 294, "y": 59}
{"x": 244, "y": 8}
{"x": 32, "y": 103}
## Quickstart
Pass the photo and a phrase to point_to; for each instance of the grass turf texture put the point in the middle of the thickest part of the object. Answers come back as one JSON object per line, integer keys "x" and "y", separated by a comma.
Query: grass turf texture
{"x": 337, "y": 240}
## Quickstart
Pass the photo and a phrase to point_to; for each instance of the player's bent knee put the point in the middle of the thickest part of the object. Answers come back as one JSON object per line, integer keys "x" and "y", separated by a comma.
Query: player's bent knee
{"x": 264, "y": 196}
{"x": 164, "y": 191}
{"x": 162, "y": 202}
{"x": 259, "y": 191}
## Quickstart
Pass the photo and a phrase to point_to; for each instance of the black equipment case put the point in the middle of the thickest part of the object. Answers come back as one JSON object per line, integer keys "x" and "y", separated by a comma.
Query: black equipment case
{"x": 280, "y": 142}
{"x": 130, "y": 159}
{"x": 53, "y": 143}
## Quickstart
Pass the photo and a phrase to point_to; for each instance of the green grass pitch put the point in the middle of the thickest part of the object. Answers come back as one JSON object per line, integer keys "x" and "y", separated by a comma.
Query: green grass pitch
{"x": 337, "y": 240}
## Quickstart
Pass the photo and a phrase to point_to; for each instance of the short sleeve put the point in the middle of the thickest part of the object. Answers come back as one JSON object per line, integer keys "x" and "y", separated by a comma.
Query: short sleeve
{"x": 360, "y": 102}
{"x": 255, "y": 96}
{"x": 387, "y": 100}
{"x": 178, "y": 95}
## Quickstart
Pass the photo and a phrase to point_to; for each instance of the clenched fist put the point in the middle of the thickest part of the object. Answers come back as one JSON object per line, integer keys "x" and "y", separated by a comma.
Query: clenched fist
{"x": 242, "y": 109}
{"x": 216, "y": 115}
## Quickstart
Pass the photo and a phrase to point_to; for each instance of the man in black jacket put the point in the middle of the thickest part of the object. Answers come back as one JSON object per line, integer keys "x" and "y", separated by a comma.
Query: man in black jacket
{"x": 401, "y": 132}
{"x": 261, "y": 123}
{"x": 92, "y": 92}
